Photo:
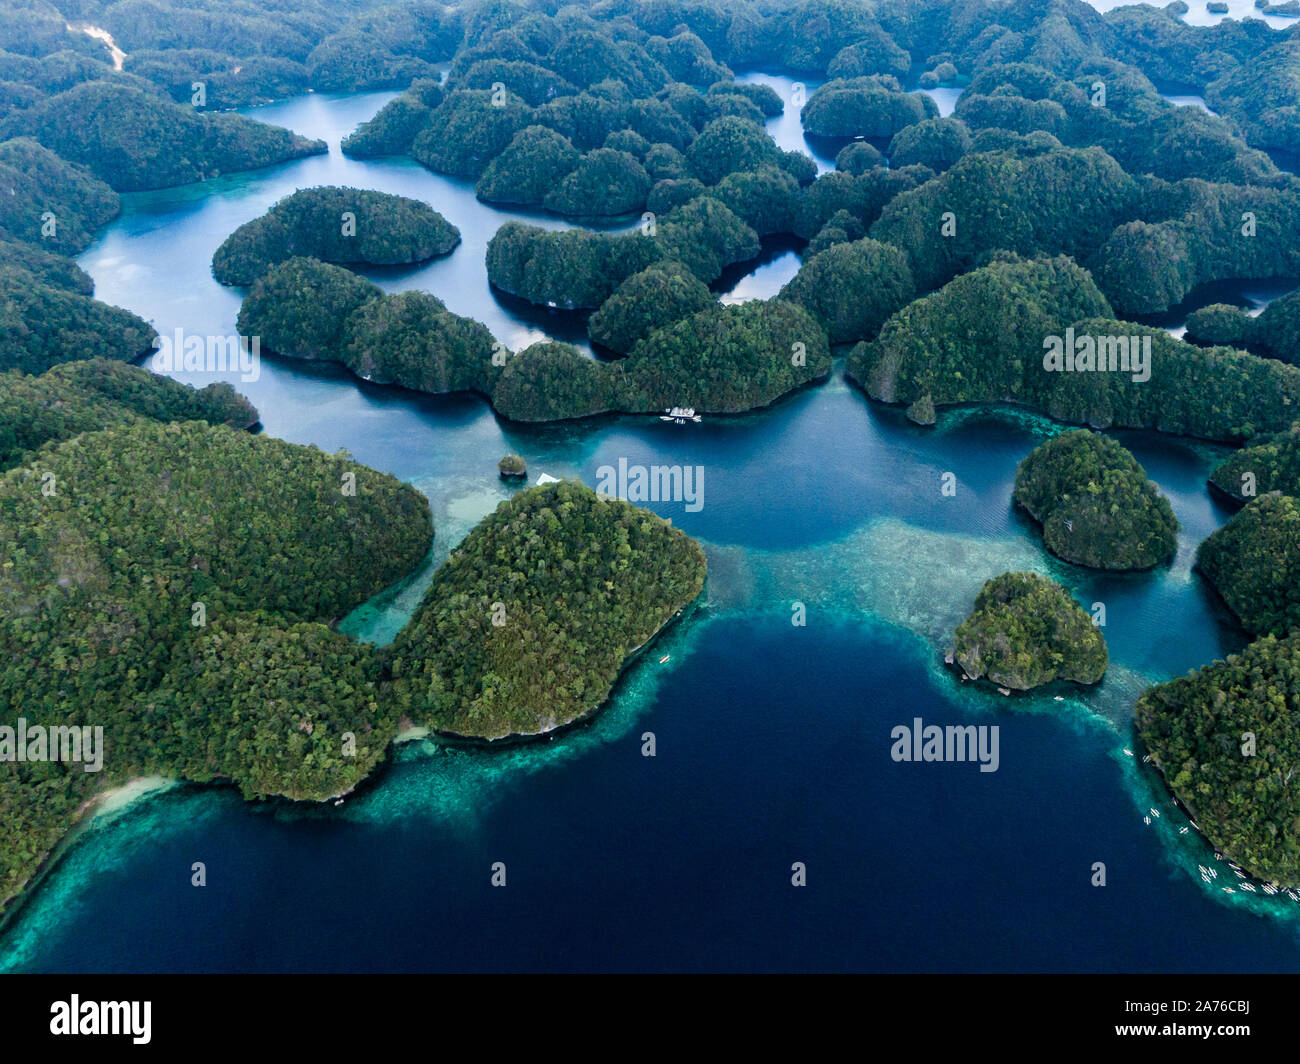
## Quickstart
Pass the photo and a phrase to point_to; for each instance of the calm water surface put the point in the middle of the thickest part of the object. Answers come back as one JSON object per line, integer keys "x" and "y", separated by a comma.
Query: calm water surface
{"x": 773, "y": 740}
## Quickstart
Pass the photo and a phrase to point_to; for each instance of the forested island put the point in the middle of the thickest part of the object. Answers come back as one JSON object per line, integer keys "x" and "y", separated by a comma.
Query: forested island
{"x": 1196, "y": 728}
{"x": 1274, "y": 332}
{"x": 717, "y": 359}
{"x": 1254, "y": 564}
{"x": 1026, "y": 631}
{"x": 100, "y": 624}
{"x": 520, "y": 634}
{"x": 1096, "y": 504}
{"x": 981, "y": 337}
{"x": 948, "y": 251}
{"x": 341, "y": 225}
{"x": 1269, "y": 463}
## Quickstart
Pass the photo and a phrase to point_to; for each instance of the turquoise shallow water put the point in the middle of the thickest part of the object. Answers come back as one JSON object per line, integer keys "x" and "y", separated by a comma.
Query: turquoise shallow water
{"x": 772, "y": 740}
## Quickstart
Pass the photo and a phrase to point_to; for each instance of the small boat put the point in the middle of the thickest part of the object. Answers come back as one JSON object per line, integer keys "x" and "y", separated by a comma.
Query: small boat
{"x": 339, "y": 802}
{"x": 1228, "y": 890}
{"x": 1155, "y": 812}
{"x": 1182, "y": 831}
{"x": 1293, "y": 895}
{"x": 1269, "y": 888}
{"x": 680, "y": 415}
{"x": 1248, "y": 886}
{"x": 1239, "y": 873}
{"x": 664, "y": 658}
{"x": 1004, "y": 690}
{"x": 1146, "y": 820}
{"x": 1128, "y": 751}
{"x": 1146, "y": 759}
{"x": 1059, "y": 698}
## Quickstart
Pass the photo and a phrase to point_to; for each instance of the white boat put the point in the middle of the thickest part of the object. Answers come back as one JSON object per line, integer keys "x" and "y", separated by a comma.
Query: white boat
{"x": 1182, "y": 831}
{"x": 1268, "y": 889}
{"x": 1248, "y": 886}
{"x": 1146, "y": 820}
{"x": 1239, "y": 873}
{"x": 680, "y": 415}
{"x": 1128, "y": 751}
{"x": 1228, "y": 890}
{"x": 1155, "y": 812}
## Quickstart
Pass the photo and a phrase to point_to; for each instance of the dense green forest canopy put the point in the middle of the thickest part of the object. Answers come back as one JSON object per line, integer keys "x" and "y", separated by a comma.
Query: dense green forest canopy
{"x": 605, "y": 182}
{"x": 1267, "y": 463}
{"x": 341, "y": 225}
{"x": 412, "y": 339}
{"x": 1025, "y": 631}
{"x": 1254, "y": 564}
{"x": 873, "y": 107}
{"x": 1121, "y": 203}
{"x": 134, "y": 590}
{"x": 983, "y": 338}
{"x": 98, "y": 393}
{"x": 682, "y": 346}
{"x": 726, "y": 358}
{"x": 852, "y": 288}
{"x": 568, "y": 268}
{"x": 1193, "y": 232}
{"x": 300, "y": 308}
{"x": 978, "y": 337}
{"x": 1064, "y": 201}
{"x": 657, "y": 296}
{"x": 527, "y": 625}
{"x": 550, "y": 381}
{"x": 394, "y": 128}
{"x": 132, "y": 140}
{"x": 304, "y": 308}
{"x": 1246, "y": 805}
{"x": 1096, "y": 504}
{"x": 936, "y": 143}
{"x": 1274, "y": 332}
{"x": 48, "y": 201}
{"x": 529, "y": 169}
{"x": 46, "y": 324}
{"x": 46, "y": 267}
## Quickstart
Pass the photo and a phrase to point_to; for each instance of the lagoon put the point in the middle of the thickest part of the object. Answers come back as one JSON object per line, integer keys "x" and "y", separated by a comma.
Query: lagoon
{"x": 772, "y": 739}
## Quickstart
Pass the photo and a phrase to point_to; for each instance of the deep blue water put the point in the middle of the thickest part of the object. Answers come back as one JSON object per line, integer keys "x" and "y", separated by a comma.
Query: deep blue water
{"x": 683, "y": 861}
{"x": 772, "y": 740}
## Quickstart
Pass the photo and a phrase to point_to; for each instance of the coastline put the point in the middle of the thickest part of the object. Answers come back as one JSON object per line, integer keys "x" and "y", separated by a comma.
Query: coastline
{"x": 98, "y": 807}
